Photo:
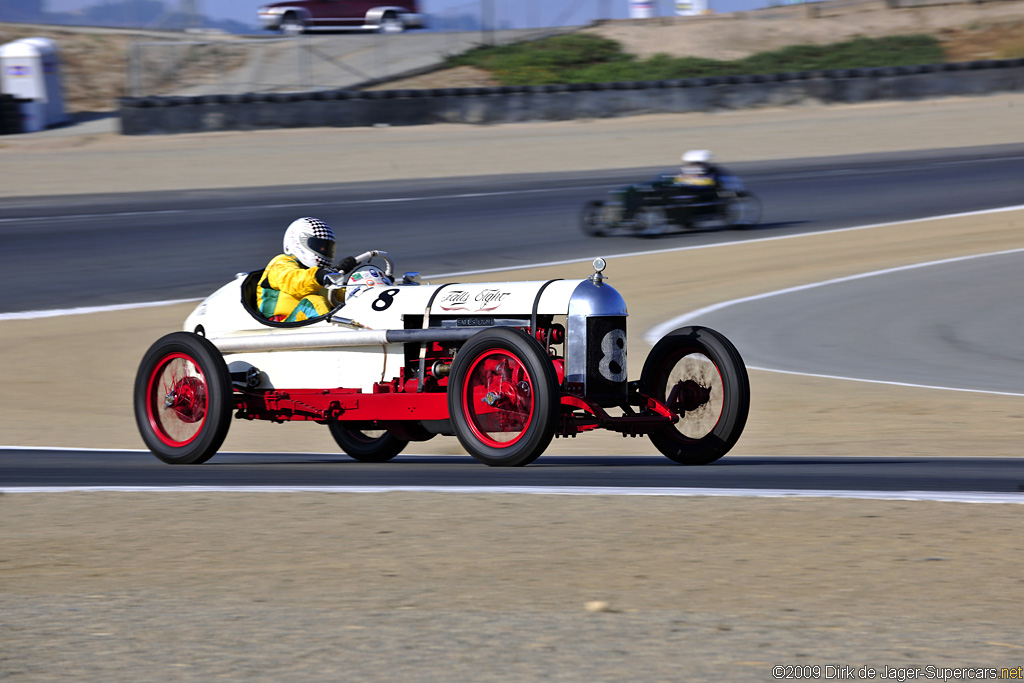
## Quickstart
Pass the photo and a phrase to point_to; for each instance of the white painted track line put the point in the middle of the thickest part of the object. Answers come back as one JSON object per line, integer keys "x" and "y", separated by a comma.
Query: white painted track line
{"x": 934, "y": 496}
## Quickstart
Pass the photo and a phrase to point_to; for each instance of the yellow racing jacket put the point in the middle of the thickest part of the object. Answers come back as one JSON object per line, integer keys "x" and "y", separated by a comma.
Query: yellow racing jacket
{"x": 289, "y": 292}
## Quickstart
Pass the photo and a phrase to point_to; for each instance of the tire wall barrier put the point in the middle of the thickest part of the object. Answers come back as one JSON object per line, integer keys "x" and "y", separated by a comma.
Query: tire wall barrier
{"x": 508, "y": 104}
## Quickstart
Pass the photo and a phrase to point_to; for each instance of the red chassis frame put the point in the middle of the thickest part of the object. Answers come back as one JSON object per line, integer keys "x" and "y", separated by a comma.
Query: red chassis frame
{"x": 392, "y": 402}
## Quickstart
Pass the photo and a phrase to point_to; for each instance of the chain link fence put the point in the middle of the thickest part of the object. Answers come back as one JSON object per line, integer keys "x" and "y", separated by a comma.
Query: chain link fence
{"x": 300, "y": 63}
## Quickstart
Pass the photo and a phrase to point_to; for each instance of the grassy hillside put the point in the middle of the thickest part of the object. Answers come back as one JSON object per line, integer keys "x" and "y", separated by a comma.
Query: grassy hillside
{"x": 587, "y": 58}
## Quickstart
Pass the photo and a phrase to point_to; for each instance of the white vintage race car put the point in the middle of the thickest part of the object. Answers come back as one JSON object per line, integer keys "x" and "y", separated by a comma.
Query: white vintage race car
{"x": 503, "y": 366}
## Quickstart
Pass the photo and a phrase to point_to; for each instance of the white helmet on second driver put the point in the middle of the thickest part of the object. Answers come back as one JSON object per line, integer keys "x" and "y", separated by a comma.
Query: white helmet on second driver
{"x": 311, "y": 241}
{"x": 364, "y": 278}
{"x": 698, "y": 156}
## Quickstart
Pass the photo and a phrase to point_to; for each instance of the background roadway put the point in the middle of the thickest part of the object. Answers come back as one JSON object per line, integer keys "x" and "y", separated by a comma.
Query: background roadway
{"x": 152, "y": 246}
{"x": 953, "y": 324}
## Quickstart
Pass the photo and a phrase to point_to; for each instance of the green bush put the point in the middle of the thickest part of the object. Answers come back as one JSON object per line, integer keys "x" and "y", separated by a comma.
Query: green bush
{"x": 591, "y": 59}
{"x": 543, "y": 61}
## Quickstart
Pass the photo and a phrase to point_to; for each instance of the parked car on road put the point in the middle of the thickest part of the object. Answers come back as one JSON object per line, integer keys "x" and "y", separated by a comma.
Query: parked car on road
{"x": 300, "y": 16}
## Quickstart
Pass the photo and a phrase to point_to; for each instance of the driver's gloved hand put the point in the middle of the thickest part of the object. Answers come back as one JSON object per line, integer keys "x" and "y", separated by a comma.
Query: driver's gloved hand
{"x": 346, "y": 264}
{"x": 322, "y": 275}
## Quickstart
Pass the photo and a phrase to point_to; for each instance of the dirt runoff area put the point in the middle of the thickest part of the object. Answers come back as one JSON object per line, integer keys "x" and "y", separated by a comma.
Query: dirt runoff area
{"x": 345, "y": 586}
{"x": 990, "y": 30}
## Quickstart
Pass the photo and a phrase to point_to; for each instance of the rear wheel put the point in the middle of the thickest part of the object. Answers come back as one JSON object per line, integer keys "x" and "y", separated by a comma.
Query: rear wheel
{"x": 701, "y": 377}
{"x": 183, "y": 399}
{"x": 592, "y": 219}
{"x": 503, "y": 398}
{"x": 367, "y": 445}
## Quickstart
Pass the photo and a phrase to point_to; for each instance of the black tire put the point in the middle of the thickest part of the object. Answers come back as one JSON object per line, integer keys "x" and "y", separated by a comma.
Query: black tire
{"x": 183, "y": 399}
{"x": 503, "y": 397}
{"x": 366, "y": 445}
{"x": 743, "y": 210}
{"x": 713, "y": 397}
{"x": 292, "y": 24}
{"x": 390, "y": 23}
{"x": 591, "y": 220}
{"x": 651, "y": 221}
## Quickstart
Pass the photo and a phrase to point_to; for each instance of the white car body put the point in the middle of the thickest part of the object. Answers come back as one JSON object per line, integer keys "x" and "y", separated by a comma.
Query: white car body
{"x": 370, "y": 358}
{"x": 504, "y": 366}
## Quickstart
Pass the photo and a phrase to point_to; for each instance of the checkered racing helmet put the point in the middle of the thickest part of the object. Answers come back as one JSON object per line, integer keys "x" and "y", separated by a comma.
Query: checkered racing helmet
{"x": 311, "y": 241}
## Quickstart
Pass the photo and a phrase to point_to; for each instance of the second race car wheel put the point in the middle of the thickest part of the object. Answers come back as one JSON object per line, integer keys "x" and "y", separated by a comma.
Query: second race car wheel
{"x": 700, "y": 376}
{"x": 503, "y": 397}
{"x": 366, "y": 445}
{"x": 743, "y": 210}
{"x": 651, "y": 221}
{"x": 593, "y": 221}
{"x": 183, "y": 399}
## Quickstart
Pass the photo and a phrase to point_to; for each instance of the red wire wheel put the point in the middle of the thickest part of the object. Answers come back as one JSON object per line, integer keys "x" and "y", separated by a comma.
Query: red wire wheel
{"x": 701, "y": 377}
{"x": 183, "y": 399}
{"x": 503, "y": 397}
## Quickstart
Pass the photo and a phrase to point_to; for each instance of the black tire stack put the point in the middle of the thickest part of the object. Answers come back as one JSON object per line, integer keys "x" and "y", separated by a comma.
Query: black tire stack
{"x": 10, "y": 115}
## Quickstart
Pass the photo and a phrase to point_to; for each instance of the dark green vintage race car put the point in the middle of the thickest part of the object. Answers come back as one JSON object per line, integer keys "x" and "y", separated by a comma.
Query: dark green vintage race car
{"x": 673, "y": 202}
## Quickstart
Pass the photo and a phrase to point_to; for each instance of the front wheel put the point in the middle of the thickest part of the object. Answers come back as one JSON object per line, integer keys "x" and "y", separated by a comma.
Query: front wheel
{"x": 390, "y": 23}
{"x": 743, "y": 210}
{"x": 367, "y": 445}
{"x": 701, "y": 377}
{"x": 651, "y": 221}
{"x": 183, "y": 399}
{"x": 503, "y": 397}
{"x": 292, "y": 25}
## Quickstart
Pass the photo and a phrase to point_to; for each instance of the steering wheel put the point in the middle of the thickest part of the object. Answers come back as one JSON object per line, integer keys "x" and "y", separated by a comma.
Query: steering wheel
{"x": 337, "y": 283}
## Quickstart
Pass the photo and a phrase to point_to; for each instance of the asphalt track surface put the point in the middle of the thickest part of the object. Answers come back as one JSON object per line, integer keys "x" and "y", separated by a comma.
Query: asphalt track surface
{"x": 128, "y": 248}
{"x": 35, "y": 468}
{"x": 954, "y": 324}
{"x": 182, "y": 245}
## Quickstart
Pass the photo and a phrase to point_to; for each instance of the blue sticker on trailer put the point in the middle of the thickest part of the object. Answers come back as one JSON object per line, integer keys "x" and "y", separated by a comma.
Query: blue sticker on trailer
{"x": 18, "y": 70}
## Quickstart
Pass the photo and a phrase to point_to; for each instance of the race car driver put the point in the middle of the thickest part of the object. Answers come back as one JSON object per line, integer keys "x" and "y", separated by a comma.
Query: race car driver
{"x": 698, "y": 169}
{"x": 698, "y": 176}
{"x": 291, "y": 287}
